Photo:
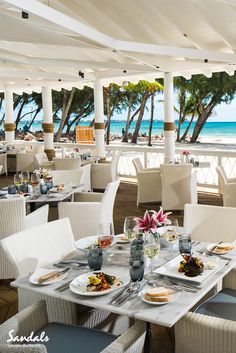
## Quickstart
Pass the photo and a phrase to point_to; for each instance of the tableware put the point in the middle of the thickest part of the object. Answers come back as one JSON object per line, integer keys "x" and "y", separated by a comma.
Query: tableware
{"x": 12, "y": 189}
{"x": 43, "y": 188}
{"x": 213, "y": 254}
{"x": 105, "y": 235}
{"x": 95, "y": 258}
{"x": 35, "y": 179}
{"x": 25, "y": 176}
{"x": 129, "y": 225}
{"x": 63, "y": 286}
{"x": 125, "y": 296}
{"x": 85, "y": 243}
{"x": 173, "y": 297}
{"x": 56, "y": 190}
{"x": 171, "y": 270}
{"x": 151, "y": 249}
{"x": 171, "y": 233}
{"x": 185, "y": 244}
{"x": 42, "y": 271}
{"x": 17, "y": 179}
{"x": 136, "y": 260}
{"x": 213, "y": 248}
{"x": 121, "y": 239}
{"x": 79, "y": 284}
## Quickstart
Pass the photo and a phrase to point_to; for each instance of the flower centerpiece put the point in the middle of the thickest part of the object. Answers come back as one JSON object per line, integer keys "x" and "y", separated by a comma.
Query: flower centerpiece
{"x": 152, "y": 220}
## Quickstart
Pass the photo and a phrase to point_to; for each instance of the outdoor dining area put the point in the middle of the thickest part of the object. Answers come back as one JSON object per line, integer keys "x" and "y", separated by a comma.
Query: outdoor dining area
{"x": 108, "y": 246}
{"x": 105, "y": 273}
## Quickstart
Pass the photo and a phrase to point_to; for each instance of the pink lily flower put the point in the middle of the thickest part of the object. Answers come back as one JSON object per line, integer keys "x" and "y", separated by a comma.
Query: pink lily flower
{"x": 162, "y": 217}
{"x": 149, "y": 221}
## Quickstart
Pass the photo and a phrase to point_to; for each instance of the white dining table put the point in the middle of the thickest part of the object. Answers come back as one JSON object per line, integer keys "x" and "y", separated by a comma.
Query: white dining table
{"x": 164, "y": 315}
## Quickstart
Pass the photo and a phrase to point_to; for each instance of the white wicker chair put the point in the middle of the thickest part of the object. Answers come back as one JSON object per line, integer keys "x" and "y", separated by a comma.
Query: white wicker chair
{"x": 29, "y": 250}
{"x": 227, "y": 187}
{"x": 210, "y": 223}
{"x": 35, "y": 318}
{"x": 198, "y": 333}
{"x": 67, "y": 163}
{"x": 25, "y": 161}
{"x": 13, "y": 219}
{"x": 41, "y": 161}
{"x": 89, "y": 209}
{"x": 68, "y": 176}
{"x": 104, "y": 173}
{"x": 149, "y": 183}
{"x": 179, "y": 185}
{"x": 86, "y": 178}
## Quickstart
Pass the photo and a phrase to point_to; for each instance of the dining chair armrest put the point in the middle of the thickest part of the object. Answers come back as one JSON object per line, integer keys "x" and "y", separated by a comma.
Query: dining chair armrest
{"x": 231, "y": 180}
{"x": 197, "y": 330}
{"x": 88, "y": 196}
{"x": 49, "y": 165}
{"x": 132, "y": 340}
{"x": 32, "y": 318}
{"x": 38, "y": 217}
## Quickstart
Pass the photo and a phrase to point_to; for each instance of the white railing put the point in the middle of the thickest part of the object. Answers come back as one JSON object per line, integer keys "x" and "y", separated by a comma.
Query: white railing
{"x": 154, "y": 156}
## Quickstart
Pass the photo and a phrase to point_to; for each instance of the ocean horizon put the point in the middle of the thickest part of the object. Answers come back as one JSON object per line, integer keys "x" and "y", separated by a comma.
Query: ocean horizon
{"x": 212, "y": 129}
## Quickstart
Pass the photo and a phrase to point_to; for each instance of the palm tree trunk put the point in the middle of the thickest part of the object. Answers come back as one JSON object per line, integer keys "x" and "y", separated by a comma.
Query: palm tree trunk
{"x": 138, "y": 123}
{"x": 151, "y": 120}
{"x": 125, "y": 136}
{"x": 65, "y": 111}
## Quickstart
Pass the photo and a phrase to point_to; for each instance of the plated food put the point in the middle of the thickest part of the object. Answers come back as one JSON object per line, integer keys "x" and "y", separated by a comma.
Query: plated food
{"x": 220, "y": 248}
{"x": 191, "y": 266}
{"x": 101, "y": 281}
{"x": 159, "y": 295}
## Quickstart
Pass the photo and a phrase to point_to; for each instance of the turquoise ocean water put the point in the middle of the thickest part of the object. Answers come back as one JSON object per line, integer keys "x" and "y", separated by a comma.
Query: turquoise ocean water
{"x": 214, "y": 129}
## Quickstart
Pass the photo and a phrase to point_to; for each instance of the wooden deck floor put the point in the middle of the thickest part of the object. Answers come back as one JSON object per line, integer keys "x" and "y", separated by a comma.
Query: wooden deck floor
{"x": 125, "y": 205}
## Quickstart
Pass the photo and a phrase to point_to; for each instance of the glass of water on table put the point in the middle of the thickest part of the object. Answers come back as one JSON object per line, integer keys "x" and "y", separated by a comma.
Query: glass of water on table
{"x": 171, "y": 234}
{"x": 151, "y": 250}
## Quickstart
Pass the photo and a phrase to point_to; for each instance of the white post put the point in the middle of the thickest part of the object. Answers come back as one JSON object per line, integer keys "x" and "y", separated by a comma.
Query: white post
{"x": 99, "y": 126}
{"x": 9, "y": 118}
{"x": 48, "y": 126}
{"x": 169, "y": 123}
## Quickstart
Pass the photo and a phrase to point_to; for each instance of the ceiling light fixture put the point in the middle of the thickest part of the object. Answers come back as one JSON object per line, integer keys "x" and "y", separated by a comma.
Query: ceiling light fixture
{"x": 81, "y": 74}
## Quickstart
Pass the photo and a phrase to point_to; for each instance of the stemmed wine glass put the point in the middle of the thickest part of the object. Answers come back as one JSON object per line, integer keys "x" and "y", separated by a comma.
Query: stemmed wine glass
{"x": 17, "y": 180}
{"x": 35, "y": 179}
{"x": 129, "y": 231}
{"x": 171, "y": 233}
{"x": 25, "y": 176}
{"x": 151, "y": 249}
{"x": 105, "y": 235}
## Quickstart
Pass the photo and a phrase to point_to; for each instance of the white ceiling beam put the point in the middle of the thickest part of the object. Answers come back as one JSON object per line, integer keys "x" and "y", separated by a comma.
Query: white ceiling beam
{"x": 46, "y": 12}
{"x": 175, "y": 51}
{"x": 35, "y": 75}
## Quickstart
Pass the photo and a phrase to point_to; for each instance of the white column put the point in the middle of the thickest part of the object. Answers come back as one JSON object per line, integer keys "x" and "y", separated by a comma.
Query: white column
{"x": 169, "y": 127}
{"x": 48, "y": 125}
{"x": 9, "y": 118}
{"x": 99, "y": 118}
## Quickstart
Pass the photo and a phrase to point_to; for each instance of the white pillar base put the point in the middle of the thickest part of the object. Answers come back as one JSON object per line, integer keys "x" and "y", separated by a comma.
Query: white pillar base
{"x": 99, "y": 142}
{"x": 169, "y": 142}
{"x": 10, "y": 137}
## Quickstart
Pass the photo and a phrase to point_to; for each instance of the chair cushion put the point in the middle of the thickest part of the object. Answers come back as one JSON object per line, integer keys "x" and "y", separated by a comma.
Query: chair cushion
{"x": 75, "y": 339}
{"x": 221, "y": 305}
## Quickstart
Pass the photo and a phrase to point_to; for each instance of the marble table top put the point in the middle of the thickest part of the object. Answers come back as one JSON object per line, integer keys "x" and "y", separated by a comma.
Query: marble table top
{"x": 165, "y": 315}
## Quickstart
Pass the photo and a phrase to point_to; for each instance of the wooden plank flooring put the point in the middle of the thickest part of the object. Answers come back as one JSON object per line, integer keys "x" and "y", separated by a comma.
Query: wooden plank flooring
{"x": 125, "y": 205}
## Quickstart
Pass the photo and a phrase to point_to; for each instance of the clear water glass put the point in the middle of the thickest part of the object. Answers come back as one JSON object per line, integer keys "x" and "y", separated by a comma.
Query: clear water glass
{"x": 129, "y": 225}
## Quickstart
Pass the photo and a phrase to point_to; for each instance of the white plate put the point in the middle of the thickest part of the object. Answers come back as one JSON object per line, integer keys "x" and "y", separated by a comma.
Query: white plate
{"x": 171, "y": 270}
{"x": 43, "y": 271}
{"x": 85, "y": 243}
{"x": 173, "y": 297}
{"x": 210, "y": 246}
{"x": 120, "y": 240}
{"x": 79, "y": 284}
{"x": 55, "y": 190}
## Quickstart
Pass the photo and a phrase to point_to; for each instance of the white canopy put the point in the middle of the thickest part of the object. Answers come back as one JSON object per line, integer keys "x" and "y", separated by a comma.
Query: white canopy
{"x": 66, "y": 43}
